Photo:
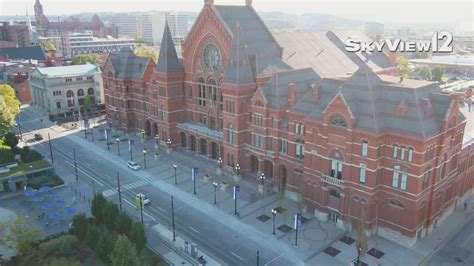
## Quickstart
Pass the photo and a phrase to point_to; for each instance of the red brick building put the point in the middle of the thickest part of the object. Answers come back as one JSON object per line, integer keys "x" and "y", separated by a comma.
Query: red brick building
{"x": 357, "y": 143}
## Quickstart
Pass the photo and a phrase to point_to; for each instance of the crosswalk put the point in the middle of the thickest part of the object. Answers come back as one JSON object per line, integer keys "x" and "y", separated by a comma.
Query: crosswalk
{"x": 129, "y": 186}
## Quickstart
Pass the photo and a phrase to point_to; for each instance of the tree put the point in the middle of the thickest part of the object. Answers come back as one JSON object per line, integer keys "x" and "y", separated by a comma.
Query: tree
{"x": 98, "y": 204}
{"x": 147, "y": 51}
{"x": 89, "y": 104}
{"x": 19, "y": 236}
{"x": 437, "y": 72}
{"x": 424, "y": 73}
{"x": 403, "y": 66}
{"x": 27, "y": 155}
{"x": 9, "y": 108}
{"x": 48, "y": 45}
{"x": 137, "y": 235}
{"x": 10, "y": 140}
{"x": 110, "y": 214}
{"x": 63, "y": 261}
{"x": 123, "y": 223}
{"x": 124, "y": 253}
{"x": 79, "y": 226}
{"x": 140, "y": 40}
{"x": 362, "y": 239}
{"x": 92, "y": 236}
{"x": 83, "y": 59}
{"x": 105, "y": 245}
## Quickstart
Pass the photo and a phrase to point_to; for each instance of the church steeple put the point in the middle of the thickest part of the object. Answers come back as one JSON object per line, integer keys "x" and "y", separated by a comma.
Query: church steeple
{"x": 168, "y": 61}
{"x": 238, "y": 70}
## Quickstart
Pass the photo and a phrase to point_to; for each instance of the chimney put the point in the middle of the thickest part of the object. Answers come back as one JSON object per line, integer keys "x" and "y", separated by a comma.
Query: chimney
{"x": 291, "y": 94}
{"x": 402, "y": 108}
{"x": 427, "y": 107}
{"x": 248, "y": 2}
{"x": 315, "y": 95}
{"x": 401, "y": 79}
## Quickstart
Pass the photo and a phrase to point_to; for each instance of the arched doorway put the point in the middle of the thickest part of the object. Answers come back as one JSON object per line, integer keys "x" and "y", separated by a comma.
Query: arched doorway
{"x": 148, "y": 128}
{"x": 214, "y": 151}
{"x": 193, "y": 143}
{"x": 203, "y": 147}
{"x": 268, "y": 169}
{"x": 282, "y": 175}
{"x": 183, "y": 140}
{"x": 155, "y": 129}
{"x": 253, "y": 163}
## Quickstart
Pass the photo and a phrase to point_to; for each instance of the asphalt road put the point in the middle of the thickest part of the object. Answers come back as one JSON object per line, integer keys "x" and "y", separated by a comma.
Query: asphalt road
{"x": 225, "y": 243}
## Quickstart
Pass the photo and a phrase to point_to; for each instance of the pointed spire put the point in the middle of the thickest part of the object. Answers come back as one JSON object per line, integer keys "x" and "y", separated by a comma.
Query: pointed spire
{"x": 168, "y": 61}
{"x": 364, "y": 76}
{"x": 238, "y": 69}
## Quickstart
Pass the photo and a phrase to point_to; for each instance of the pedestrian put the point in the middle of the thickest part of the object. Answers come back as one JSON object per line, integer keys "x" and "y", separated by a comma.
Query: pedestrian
{"x": 73, "y": 200}
{"x": 465, "y": 205}
{"x": 42, "y": 215}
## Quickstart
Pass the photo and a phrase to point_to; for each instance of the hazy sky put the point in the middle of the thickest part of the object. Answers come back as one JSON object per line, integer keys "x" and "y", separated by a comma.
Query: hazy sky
{"x": 369, "y": 10}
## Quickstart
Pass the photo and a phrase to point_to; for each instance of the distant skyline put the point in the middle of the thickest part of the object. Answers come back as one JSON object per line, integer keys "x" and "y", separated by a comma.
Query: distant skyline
{"x": 402, "y": 11}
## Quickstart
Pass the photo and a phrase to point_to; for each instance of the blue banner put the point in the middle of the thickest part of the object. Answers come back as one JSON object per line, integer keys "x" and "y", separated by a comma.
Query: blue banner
{"x": 130, "y": 144}
{"x": 194, "y": 173}
{"x": 236, "y": 192}
{"x": 86, "y": 123}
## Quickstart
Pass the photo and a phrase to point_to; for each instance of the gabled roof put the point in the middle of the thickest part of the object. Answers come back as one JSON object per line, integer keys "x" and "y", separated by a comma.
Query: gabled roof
{"x": 127, "y": 65}
{"x": 262, "y": 48}
{"x": 238, "y": 69}
{"x": 168, "y": 61}
{"x": 23, "y": 53}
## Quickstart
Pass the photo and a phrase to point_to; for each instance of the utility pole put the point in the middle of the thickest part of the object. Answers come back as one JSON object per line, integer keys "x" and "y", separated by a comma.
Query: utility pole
{"x": 297, "y": 225}
{"x": 141, "y": 208}
{"x": 118, "y": 146}
{"x": 258, "y": 257}
{"x": 50, "y": 148}
{"x": 236, "y": 195}
{"x": 172, "y": 218}
{"x": 75, "y": 164}
{"x": 92, "y": 134}
{"x": 107, "y": 139}
{"x": 194, "y": 173}
{"x": 93, "y": 186}
{"x": 119, "y": 191}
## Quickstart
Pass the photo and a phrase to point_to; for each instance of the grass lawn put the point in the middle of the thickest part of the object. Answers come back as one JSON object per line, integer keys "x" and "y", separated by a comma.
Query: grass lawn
{"x": 46, "y": 179}
{"x": 26, "y": 167}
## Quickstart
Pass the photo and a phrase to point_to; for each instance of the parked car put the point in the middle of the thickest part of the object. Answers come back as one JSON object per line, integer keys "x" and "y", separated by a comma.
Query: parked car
{"x": 133, "y": 165}
{"x": 143, "y": 197}
{"x": 38, "y": 136}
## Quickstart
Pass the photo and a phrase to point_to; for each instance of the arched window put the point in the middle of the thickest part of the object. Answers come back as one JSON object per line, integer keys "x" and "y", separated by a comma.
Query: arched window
{"x": 365, "y": 148}
{"x": 202, "y": 92}
{"x": 80, "y": 92}
{"x": 212, "y": 90}
{"x": 90, "y": 91}
{"x": 402, "y": 153}
{"x": 70, "y": 94}
{"x": 338, "y": 121}
{"x": 395, "y": 151}
{"x": 410, "y": 154}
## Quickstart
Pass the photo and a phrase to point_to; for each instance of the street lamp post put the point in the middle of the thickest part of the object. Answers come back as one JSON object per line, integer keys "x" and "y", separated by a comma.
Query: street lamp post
{"x": 157, "y": 139}
{"x": 168, "y": 142}
{"x": 92, "y": 134}
{"x": 107, "y": 139}
{"x": 359, "y": 250}
{"x": 175, "y": 177}
{"x": 141, "y": 208}
{"x": 118, "y": 146}
{"x": 237, "y": 170}
{"x": 219, "y": 169}
{"x": 215, "y": 184}
{"x": 143, "y": 136}
{"x": 172, "y": 218}
{"x": 144, "y": 158}
{"x": 262, "y": 179}
{"x": 50, "y": 148}
{"x": 75, "y": 164}
{"x": 274, "y": 213}
{"x": 119, "y": 191}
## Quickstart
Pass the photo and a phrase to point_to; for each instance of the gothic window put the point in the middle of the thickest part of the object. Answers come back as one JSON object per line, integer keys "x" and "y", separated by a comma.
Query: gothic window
{"x": 90, "y": 91}
{"x": 336, "y": 169}
{"x": 80, "y": 92}
{"x": 202, "y": 92}
{"x": 212, "y": 90}
{"x": 338, "y": 121}
{"x": 365, "y": 148}
{"x": 70, "y": 94}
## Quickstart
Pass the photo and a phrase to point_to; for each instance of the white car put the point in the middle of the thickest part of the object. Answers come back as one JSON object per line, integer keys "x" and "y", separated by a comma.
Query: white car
{"x": 133, "y": 165}
{"x": 145, "y": 199}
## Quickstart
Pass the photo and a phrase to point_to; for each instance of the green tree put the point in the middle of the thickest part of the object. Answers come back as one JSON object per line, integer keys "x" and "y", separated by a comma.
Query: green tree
{"x": 18, "y": 235}
{"x": 147, "y": 51}
{"x": 424, "y": 73}
{"x": 137, "y": 235}
{"x": 48, "y": 45}
{"x": 140, "y": 40}
{"x": 10, "y": 140}
{"x": 110, "y": 214}
{"x": 105, "y": 245}
{"x": 79, "y": 226}
{"x": 89, "y": 104}
{"x": 403, "y": 66}
{"x": 438, "y": 72}
{"x": 83, "y": 59}
{"x": 124, "y": 253}
{"x": 63, "y": 262}
{"x": 98, "y": 204}
{"x": 9, "y": 108}
{"x": 27, "y": 155}
{"x": 92, "y": 236}
{"x": 123, "y": 223}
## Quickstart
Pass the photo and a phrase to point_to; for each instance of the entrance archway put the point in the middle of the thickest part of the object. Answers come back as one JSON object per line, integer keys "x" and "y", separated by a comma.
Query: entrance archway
{"x": 193, "y": 143}
{"x": 183, "y": 140}
{"x": 214, "y": 151}
{"x": 155, "y": 129}
{"x": 148, "y": 128}
{"x": 282, "y": 176}
{"x": 253, "y": 163}
{"x": 203, "y": 147}
{"x": 268, "y": 169}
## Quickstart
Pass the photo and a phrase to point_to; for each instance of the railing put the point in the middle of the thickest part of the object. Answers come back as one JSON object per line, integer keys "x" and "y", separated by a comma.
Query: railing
{"x": 333, "y": 181}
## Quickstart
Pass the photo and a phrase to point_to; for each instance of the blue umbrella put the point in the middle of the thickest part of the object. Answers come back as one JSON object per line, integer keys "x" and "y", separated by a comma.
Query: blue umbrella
{"x": 60, "y": 203}
{"x": 54, "y": 216}
{"x": 44, "y": 189}
{"x": 38, "y": 199}
{"x": 29, "y": 193}
{"x": 46, "y": 207}
{"x": 69, "y": 211}
{"x": 53, "y": 195}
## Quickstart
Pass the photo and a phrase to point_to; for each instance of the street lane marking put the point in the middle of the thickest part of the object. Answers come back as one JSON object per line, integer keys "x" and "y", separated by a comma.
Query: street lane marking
{"x": 144, "y": 212}
{"x": 237, "y": 256}
{"x": 192, "y": 228}
{"x": 274, "y": 259}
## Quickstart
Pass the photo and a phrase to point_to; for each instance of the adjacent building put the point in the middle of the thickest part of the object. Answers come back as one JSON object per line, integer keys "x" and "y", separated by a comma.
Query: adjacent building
{"x": 352, "y": 146}
{"x": 14, "y": 34}
{"x": 60, "y": 90}
{"x": 20, "y": 54}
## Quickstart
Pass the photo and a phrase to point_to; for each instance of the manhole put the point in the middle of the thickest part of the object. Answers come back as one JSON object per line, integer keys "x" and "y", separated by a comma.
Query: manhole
{"x": 284, "y": 228}
{"x": 263, "y": 218}
{"x": 348, "y": 240}
{"x": 332, "y": 251}
{"x": 375, "y": 253}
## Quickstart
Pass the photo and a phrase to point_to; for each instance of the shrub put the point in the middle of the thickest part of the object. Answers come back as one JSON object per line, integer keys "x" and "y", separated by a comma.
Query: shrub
{"x": 28, "y": 156}
{"x": 92, "y": 236}
{"x": 105, "y": 245}
{"x": 80, "y": 226}
{"x": 137, "y": 235}
{"x": 123, "y": 223}
{"x": 98, "y": 204}
{"x": 6, "y": 156}
{"x": 10, "y": 140}
{"x": 110, "y": 214}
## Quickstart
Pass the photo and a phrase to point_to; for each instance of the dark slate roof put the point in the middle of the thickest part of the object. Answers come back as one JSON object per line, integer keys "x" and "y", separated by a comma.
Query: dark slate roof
{"x": 262, "y": 48}
{"x": 238, "y": 69}
{"x": 127, "y": 65}
{"x": 168, "y": 61}
{"x": 23, "y": 53}
{"x": 372, "y": 99}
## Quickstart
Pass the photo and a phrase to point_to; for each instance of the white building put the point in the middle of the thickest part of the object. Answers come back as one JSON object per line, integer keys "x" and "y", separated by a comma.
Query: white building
{"x": 178, "y": 23}
{"x": 58, "y": 90}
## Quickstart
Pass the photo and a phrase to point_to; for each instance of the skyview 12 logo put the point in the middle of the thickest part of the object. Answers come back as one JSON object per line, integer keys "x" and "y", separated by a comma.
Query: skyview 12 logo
{"x": 441, "y": 42}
